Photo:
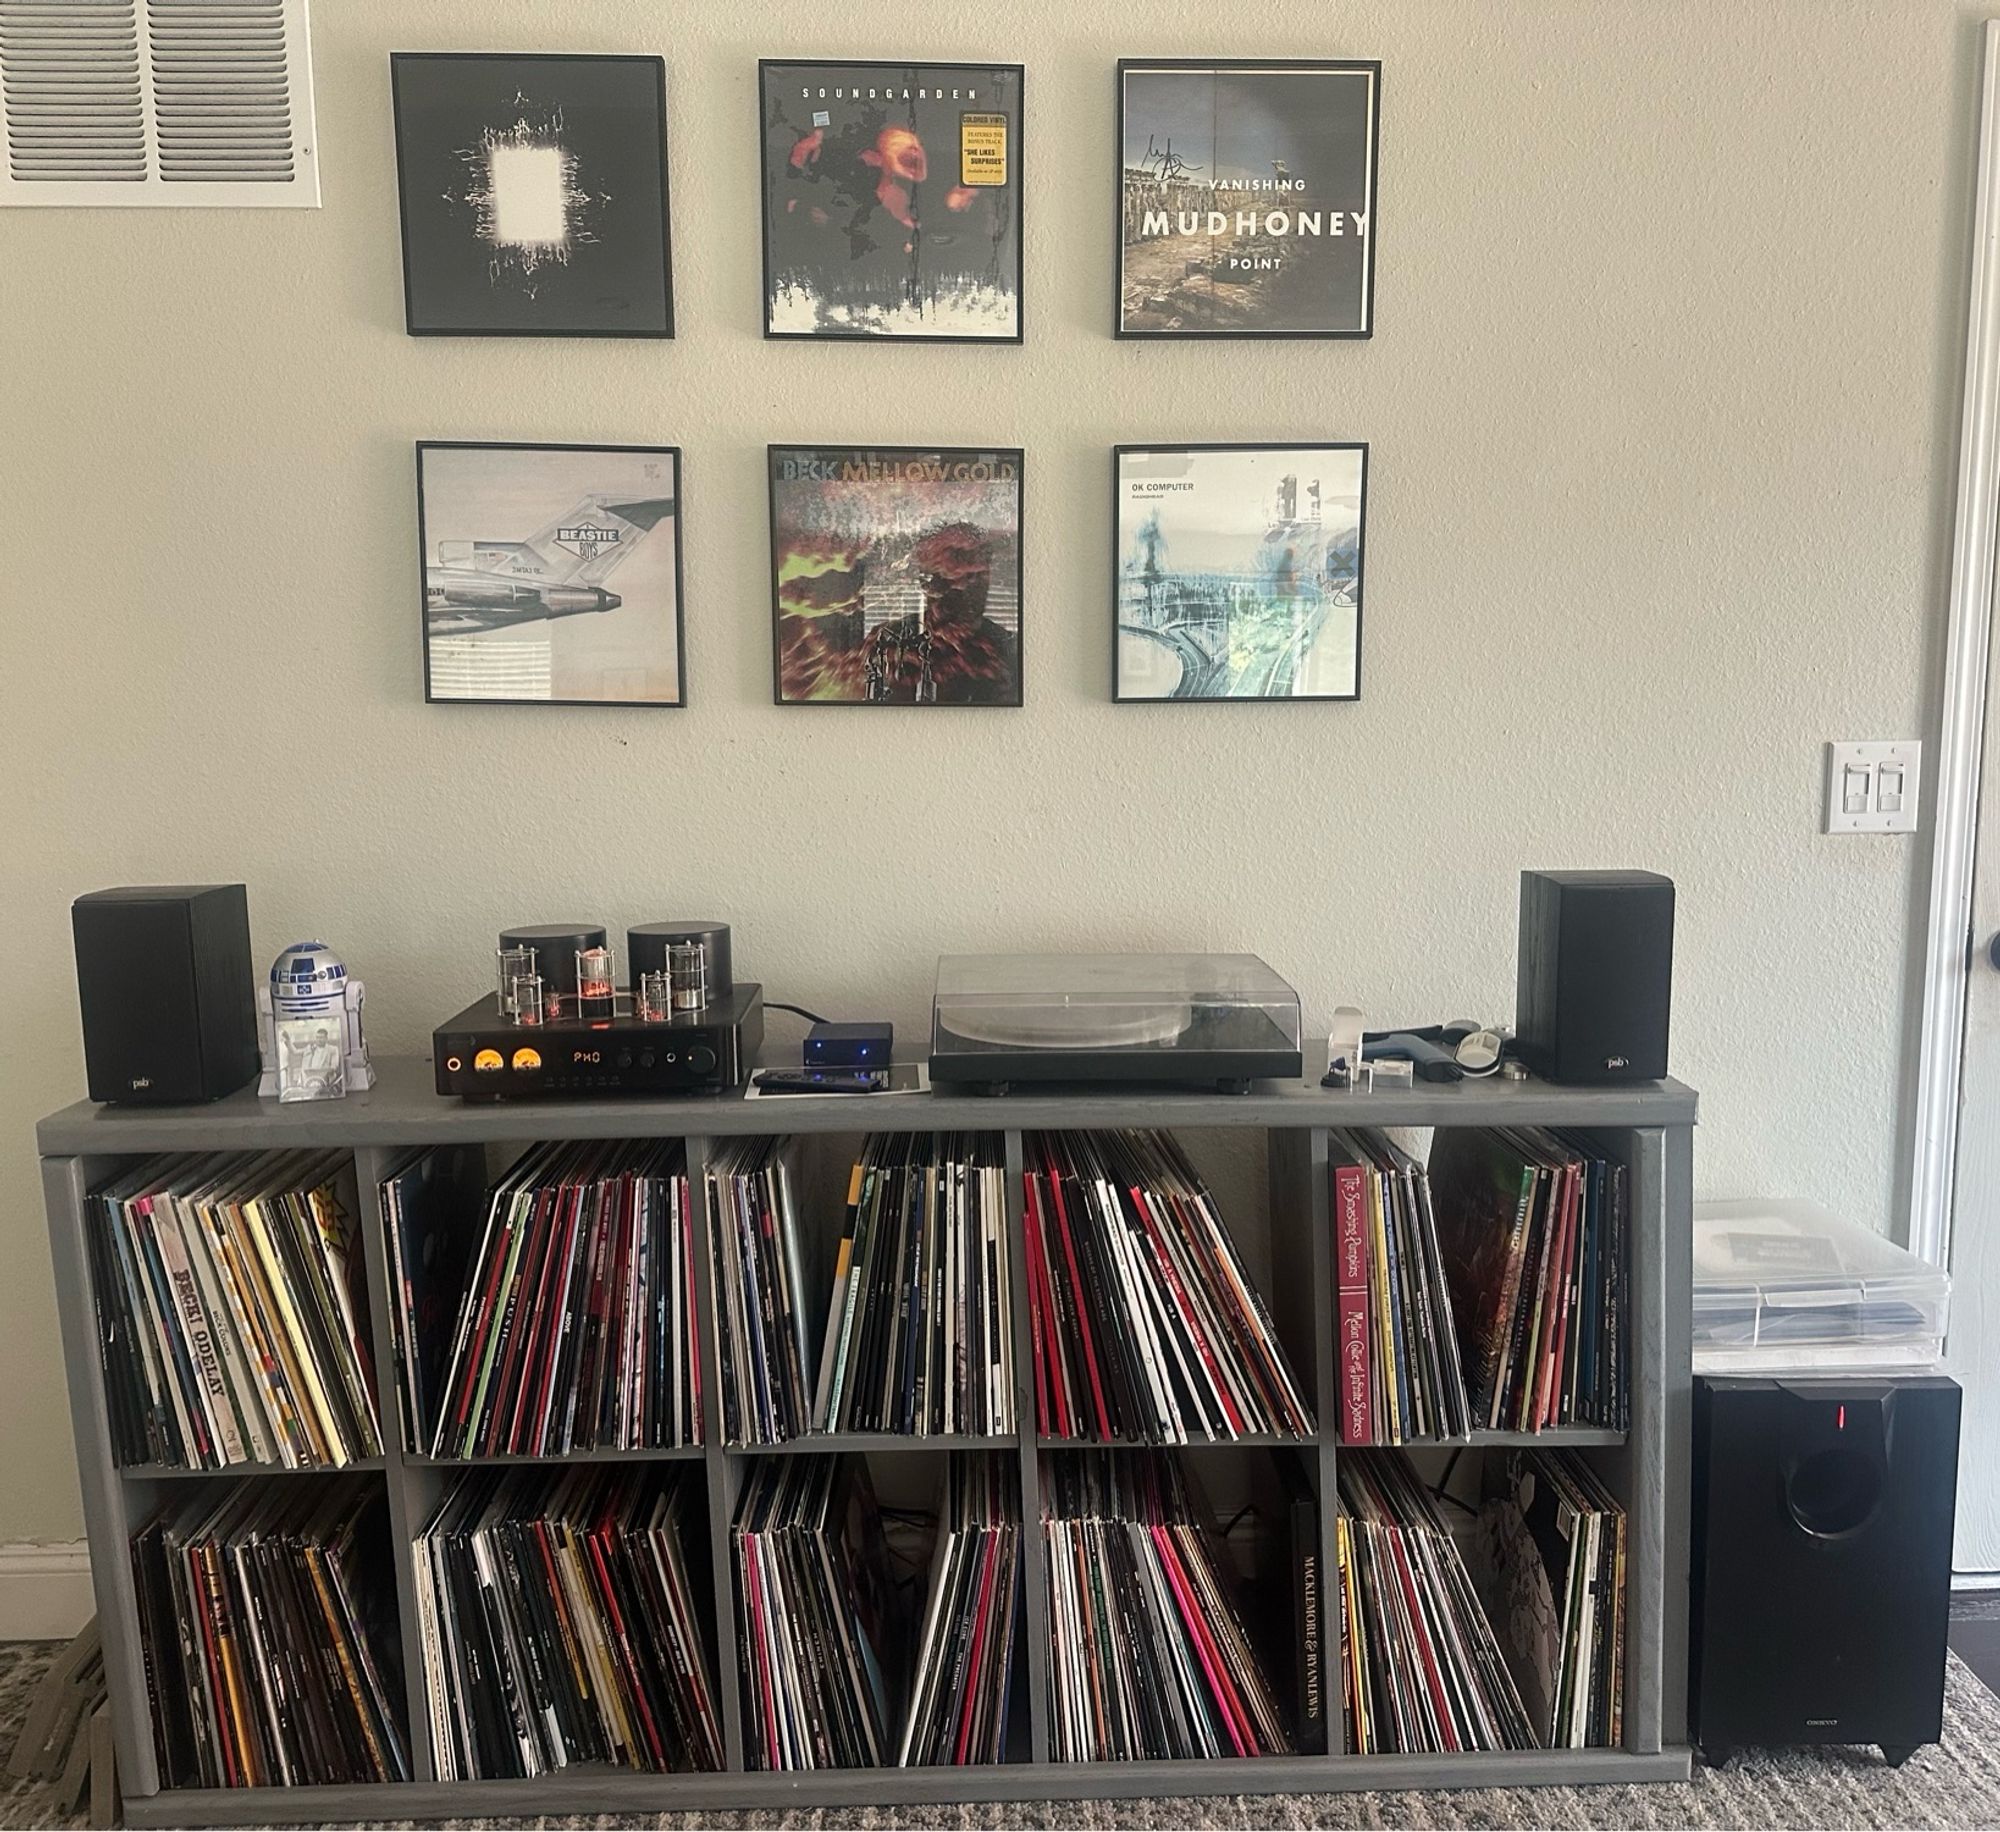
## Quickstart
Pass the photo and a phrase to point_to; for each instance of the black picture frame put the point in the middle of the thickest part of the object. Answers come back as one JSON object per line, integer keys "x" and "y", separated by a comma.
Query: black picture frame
{"x": 942, "y": 455}
{"x": 766, "y": 197}
{"x": 1119, "y": 454}
{"x": 513, "y": 539}
{"x": 439, "y": 249}
{"x": 1240, "y": 66}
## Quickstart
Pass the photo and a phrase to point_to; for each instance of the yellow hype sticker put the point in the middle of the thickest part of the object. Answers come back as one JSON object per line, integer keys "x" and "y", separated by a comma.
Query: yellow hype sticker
{"x": 982, "y": 149}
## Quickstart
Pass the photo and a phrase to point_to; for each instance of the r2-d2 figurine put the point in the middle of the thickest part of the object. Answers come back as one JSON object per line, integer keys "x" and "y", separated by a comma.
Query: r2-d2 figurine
{"x": 309, "y": 1026}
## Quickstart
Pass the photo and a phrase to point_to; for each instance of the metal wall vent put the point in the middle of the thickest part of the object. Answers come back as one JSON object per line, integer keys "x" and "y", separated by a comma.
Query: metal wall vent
{"x": 157, "y": 102}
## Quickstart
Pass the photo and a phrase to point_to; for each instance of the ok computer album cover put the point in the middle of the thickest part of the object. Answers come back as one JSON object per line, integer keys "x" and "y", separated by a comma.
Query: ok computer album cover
{"x": 551, "y": 573}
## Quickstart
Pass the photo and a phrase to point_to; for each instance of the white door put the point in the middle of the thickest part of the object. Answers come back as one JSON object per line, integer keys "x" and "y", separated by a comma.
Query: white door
{"x": 1975, "y": 1222}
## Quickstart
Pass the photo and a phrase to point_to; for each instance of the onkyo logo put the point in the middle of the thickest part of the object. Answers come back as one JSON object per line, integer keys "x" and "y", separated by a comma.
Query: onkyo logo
{"x": 142, "y": 1081}
{"x": 1821, "y": 1723}
{"x": 1618, "y": 1062}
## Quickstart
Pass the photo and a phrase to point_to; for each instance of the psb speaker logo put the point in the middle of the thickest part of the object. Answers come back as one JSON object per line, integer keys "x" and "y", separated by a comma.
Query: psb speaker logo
{"x": 1618, "y": 1062}
{"x": 142, "y": 1081}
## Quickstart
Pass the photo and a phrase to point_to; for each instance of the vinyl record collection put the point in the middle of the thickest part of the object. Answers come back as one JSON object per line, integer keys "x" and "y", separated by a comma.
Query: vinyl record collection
{"x": 760, "y": 1291}
{"x": 816, "y": 1615}
{"x": 1552, "y": 1544}
{"x": 1147, "y": 1328}
{"x": 268, "y": 1630}
{"x": 1399, "y": 1375}
{"x": 920, "y": 1333}
{"x": 1148, "y": 1655}
{"x": 232, "y": 1310}
{"x": 429, "y": 1206}
{"x": 576, "y": 1329}
{"x": 1533, "y": 1225}
{"x": 965, "y": 1652}
{"x": 559, "y": 1625}
{"x": 1421, "y": 1669}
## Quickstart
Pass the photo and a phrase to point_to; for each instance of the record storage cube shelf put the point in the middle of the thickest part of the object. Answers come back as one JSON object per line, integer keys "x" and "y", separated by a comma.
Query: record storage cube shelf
{"x": 1648, "y": 1127}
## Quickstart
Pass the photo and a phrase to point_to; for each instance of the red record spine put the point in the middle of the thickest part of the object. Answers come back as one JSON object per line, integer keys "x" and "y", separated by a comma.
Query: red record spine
{"x": 1076, "y": 1285}
{"x": 1354, "y": 1364}
{"x": 1051, "y": 1418}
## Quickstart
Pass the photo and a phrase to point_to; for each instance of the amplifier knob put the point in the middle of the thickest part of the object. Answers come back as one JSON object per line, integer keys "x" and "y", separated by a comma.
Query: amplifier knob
{"x": 646, "y": 1059}
{"x": 701, "y": 1059}
{"x": 624, "y": 1059}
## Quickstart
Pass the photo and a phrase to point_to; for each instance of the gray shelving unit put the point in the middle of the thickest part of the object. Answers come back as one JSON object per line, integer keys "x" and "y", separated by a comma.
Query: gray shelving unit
{"x": 1649, "y": 1128}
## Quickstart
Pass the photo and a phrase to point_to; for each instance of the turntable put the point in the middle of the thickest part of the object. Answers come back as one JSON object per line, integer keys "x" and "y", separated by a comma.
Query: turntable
{"x": 1223, "y": 1020}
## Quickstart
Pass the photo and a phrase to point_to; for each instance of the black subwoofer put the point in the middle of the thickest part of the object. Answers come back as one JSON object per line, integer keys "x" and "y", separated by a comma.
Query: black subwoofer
{"x": 1821, "y": 1569}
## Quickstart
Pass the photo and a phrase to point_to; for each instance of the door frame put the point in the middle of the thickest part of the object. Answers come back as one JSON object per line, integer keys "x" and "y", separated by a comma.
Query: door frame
{"x": 1949, "y": 940}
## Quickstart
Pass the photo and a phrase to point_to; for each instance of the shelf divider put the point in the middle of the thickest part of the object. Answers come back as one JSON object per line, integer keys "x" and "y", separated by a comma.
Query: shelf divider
{"x": 721, "y": 1471}
{"x": 411, "y": 1495}
{"x": 1034, "y": 1578}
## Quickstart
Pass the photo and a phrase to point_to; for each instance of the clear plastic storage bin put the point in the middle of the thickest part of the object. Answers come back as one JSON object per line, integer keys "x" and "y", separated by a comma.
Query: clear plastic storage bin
{"x": 1782, "y": 1286}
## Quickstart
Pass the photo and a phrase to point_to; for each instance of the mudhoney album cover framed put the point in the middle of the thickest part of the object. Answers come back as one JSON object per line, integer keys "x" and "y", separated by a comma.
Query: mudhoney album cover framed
{"x": 896, "y": 575}
{"x": 551, "y": 574}
{"x": 1236, "y": 572}
{"x": 1246, "y": 197}
{"x": 533, "y": 194}
{"x": 892, "y": 200}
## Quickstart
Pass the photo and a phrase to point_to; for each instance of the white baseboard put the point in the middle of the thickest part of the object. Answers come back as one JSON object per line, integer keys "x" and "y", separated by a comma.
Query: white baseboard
{"x": 45, "y": 1591}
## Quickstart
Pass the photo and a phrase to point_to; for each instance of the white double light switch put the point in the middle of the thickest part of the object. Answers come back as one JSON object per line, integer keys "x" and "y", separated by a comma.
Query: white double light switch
{"x": 1871, "y": 785}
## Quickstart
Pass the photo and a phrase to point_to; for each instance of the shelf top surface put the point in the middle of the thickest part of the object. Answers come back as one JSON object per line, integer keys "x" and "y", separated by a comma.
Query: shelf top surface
{"x": 404, "y": 1108}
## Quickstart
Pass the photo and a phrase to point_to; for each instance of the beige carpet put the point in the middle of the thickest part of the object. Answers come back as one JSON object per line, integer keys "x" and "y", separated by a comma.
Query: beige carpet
{"x": 1955, "y": 1784}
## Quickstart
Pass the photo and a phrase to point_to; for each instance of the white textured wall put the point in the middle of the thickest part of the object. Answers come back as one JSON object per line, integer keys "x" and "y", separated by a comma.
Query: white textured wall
{"x": 1662, "y": 403}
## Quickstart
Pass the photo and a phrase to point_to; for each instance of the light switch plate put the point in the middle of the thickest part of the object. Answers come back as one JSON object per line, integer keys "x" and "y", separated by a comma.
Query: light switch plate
{"x": 1872, "y": 784}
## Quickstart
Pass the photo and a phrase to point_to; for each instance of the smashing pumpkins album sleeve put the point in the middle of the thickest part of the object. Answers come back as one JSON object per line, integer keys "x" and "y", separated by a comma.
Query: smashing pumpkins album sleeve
{"x": 896, "y": 576}
{"x": 892, "y": 200}
{"x": 1247, "y": 199}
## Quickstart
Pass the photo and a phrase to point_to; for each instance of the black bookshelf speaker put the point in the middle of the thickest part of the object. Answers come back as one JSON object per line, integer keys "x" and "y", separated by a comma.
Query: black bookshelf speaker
{"x": 1595, "y": 976}
{"x": 1821, "y": 1569}
{"x": 168, "y": 993}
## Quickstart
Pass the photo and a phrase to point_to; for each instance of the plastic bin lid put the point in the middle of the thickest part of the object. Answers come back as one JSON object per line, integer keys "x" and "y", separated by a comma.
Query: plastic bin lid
{"x": 1788, "y": 1269}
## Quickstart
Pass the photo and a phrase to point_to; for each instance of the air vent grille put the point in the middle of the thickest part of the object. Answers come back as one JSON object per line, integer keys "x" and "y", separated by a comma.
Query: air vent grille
{"x": 74, "y": 106}
{"x": 156, "y": 102}
{"x": 222, "y": 109}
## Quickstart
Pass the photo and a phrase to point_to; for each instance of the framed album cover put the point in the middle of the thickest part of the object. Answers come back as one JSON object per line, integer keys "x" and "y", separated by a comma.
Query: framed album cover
{"x": 533, "y": 194}
{"x": 896, "y": 576}
{"x": 892, "y": 200}
{"x": 551, "y": 574}
{"x": 1236, "y": 571}
{"x": 1246, "y": 198}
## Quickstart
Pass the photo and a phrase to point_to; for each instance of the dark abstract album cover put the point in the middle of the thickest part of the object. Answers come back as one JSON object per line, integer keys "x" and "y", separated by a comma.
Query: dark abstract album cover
{"x": 534, "y": 194}
{"x": 892, "y": 200}
{"x": 1247, "y": 196}
{"x": 896, "y": 576}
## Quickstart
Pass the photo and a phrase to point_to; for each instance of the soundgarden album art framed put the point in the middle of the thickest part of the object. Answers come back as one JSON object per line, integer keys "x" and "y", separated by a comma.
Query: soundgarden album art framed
{"x": 1236, "y": 571}
{"x": 551, "y": 574}
{"x": 892, "y": 200}
{"x": 896, "y": 576}
{"x": 1246, "y": 198}
{"x": 534, "y": 194}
